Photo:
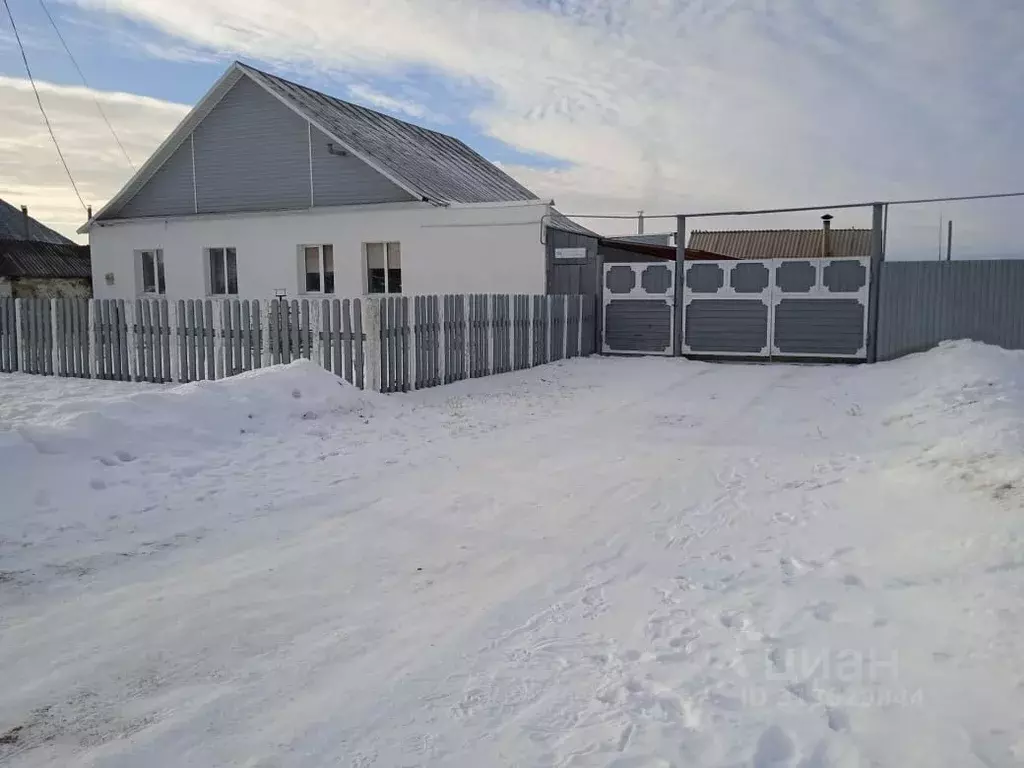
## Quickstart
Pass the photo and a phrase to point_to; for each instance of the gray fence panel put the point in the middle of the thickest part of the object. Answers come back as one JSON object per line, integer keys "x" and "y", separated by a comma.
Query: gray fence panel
{"x": 358, "y": 338}
{"x": 273, "y": 323}
{"x": 60, "y": 336}
{"x": 85, "y": 310}
{"x": 77, "y": 348}
{"x": 572, "y": 326}
{"x": 245, "y": 318}
{"x": 28, "y": 333}
{"x": 420, "y": 345}
{"x": 208, "y": 336}
{"x": 194, "y": 345}
{"x": 201, "y": 339}
{"x": 165, "y": 340}
{"x": 236, "y": 327}
{"x": 294, "y": 340}
{"x": 257, "y": 335}
{"x": 588, "y": 339}
{"x": 147, "y": 339}
{"x": 922, "y": 303}
{"x": 156, "y": 335}
{"x": 540, "y": 330}
{"x": 121, "y": 334}
{"x": 227, "y": 337}
{"x": 343, "y": 313}
{"x": 140, "y": 347}
{"x": 182, "y": 353}
{"x": 105, "y": 328}
{"x": 391, "y": 314}
{"x": 6, "y": 336}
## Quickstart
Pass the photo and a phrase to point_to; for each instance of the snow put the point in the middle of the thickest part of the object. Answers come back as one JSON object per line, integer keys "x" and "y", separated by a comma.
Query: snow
{"x": 602, "y": 562}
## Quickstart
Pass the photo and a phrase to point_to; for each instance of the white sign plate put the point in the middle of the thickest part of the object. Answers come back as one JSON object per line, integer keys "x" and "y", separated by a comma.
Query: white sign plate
{"x": 570, "y": 253}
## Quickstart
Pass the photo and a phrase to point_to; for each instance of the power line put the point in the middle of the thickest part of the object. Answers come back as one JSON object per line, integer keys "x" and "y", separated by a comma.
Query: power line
{"x": 78, "y": 69}
{"x": 39, "y": 101}
{"x": 994, "y": 196}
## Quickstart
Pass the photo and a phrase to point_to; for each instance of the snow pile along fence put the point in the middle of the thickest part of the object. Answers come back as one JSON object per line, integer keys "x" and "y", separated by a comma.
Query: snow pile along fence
{"x": 392, "y": 344}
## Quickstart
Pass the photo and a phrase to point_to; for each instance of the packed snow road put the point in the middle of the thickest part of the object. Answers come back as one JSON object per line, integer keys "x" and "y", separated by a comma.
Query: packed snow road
{"x": 598, "y": 563}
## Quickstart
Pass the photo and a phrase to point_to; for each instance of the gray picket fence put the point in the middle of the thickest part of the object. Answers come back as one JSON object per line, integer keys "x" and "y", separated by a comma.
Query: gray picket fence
{"x": 159, "y": 341}
{"x": 425, "y": 341}
{"x": 414, "y": 342}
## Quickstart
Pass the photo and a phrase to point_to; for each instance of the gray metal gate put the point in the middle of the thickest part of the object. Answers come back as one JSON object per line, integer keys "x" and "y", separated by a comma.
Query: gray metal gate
{"x": 638, "y": 308}
{"x": 777, "y": 308}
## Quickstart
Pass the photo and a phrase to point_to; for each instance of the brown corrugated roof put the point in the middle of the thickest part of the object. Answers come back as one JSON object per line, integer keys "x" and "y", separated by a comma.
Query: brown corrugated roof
{"x": 780, "y": 243}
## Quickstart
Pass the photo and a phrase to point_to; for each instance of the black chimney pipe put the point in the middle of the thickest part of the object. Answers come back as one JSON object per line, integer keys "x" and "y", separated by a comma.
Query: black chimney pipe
{"x": 24, "y": 214}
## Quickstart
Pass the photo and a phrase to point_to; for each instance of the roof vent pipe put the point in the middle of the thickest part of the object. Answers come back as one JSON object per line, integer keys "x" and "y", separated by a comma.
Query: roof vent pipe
{"x": 24, "y": 216}
{"x": 826, "y": 236}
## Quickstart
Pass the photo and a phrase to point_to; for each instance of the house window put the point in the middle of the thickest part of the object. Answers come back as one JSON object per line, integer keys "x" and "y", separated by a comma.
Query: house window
{"x": 151, "y": 271}
{"x": 223, "y": 271}
{"x": 383, "y": 267}
{"x": 318, "y": 268}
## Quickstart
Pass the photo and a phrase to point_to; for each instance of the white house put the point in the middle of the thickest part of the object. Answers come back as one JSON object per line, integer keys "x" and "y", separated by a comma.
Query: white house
{"x": 268, "y": 187}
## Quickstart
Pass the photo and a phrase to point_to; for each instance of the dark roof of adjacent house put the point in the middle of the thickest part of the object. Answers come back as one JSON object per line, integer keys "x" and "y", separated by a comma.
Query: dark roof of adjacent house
{"x": 429, "y": 165}
{"x": 781, "y": 243}
{"x": 34, "y": 258}
{"x": 13, "y": 227}
{"x": 39, "y": 251}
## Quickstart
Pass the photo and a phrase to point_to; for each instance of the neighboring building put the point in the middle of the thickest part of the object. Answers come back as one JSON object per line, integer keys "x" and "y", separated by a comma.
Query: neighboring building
{"x": 268, "y": 187}
{"x": 36, "y": 261}
{"x": 784, "y": 243}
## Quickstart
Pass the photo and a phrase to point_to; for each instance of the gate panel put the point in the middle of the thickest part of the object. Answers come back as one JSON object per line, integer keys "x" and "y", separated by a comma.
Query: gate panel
{"x": 723, "y": 327}
{"x": 727, "y": 308}
{"x": 820, "y": 307}
{"x": 638, "y": 306}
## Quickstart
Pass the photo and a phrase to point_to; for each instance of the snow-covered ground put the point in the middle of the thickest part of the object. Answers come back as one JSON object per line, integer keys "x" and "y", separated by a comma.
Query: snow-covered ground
{"x": 605, "y": 562}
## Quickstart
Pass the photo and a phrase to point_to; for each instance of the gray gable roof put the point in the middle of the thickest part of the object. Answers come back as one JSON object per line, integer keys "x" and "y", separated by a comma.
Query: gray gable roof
{"x": 558, "y": 220}
{"x": 12, "y": 227}
{"x": 430, "y": 166}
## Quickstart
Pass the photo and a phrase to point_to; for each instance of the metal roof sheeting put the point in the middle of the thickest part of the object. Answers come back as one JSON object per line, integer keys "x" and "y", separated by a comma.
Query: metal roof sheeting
{"x": 12, "y": 227}
{"x": 429, "y": 164}
{"x": 558, "y": 220}
{"x": 33, "y": 258}
{"x": 781, "y": 243}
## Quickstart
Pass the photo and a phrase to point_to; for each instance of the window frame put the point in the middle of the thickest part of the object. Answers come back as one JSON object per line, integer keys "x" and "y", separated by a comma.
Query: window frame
{"x": 321, "y": 264}
{"x": 387, "y": 246}
{"x": 159, "y": 272}
{"x": 224, "y": 251}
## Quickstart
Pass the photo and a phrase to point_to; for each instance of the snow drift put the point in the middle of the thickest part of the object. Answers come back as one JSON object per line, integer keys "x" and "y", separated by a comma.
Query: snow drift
{"x": 191, "y": 416}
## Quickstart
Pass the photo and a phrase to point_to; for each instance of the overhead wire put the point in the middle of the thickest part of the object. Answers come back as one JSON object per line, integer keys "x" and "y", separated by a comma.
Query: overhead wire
{"x": 81, "y": 75}
{"x": 42, "y": 110}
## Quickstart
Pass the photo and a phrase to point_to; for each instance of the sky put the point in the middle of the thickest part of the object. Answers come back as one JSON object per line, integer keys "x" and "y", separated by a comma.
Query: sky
{"x": 605, "y": 106}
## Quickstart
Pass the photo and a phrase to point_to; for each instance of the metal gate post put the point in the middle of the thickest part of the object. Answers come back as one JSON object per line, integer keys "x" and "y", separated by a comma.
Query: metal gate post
{"x": 877, "y": 257}
{"x": 677, "y": 299}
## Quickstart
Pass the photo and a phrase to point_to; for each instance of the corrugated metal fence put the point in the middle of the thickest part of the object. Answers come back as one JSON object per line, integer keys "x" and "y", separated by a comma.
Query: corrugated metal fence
{"x": 392, "y": 344}
{"x": 922, "y": 303}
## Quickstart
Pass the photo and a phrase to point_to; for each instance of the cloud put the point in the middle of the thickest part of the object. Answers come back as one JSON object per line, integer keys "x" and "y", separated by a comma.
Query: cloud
{"x": 670, "y": 104}
{"x": 30, "y": 171}
{"x": 701, "y": 103}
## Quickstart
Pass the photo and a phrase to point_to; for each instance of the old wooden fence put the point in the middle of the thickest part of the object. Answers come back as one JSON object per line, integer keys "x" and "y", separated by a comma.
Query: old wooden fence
{"x": 392, "y": 344}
